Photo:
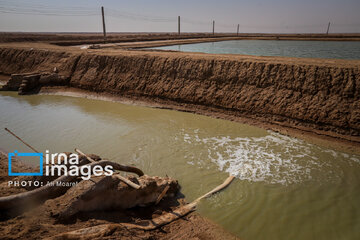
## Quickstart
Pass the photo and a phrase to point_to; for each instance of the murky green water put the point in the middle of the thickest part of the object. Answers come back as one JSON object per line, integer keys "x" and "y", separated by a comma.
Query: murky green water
{"x": 285, "y": 188}
{"x": 306, "y": 49}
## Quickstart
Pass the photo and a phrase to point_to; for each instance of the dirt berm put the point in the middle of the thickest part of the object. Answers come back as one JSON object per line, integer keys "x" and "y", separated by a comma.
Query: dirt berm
{"x": 314, "y": 95}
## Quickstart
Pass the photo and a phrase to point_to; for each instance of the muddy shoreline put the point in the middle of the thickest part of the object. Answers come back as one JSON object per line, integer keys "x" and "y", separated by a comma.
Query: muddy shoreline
{"x": 314, "y": 97}
{"x": 308, "y": 135}
{"x": 41, "y": 223}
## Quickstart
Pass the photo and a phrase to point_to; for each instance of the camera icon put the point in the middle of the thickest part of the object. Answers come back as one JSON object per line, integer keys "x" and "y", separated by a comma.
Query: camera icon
{"x": 15, "y": 153}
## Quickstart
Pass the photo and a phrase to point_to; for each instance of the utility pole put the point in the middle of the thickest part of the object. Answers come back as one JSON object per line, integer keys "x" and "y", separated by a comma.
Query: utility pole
{"x": 213, "y": 27}
{"x": 237, "y": 32}
{"x": 327, "y": 32}
{"x": 103, "y": 22}
{"x": 179, "y": 25}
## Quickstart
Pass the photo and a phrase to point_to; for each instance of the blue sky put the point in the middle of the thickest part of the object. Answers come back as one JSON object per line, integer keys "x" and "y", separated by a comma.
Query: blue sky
{"x": 161, "y": 15}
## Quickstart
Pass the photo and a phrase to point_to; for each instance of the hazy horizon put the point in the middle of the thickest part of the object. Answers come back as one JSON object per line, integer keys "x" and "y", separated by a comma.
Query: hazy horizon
{"x": 159, "y": 16}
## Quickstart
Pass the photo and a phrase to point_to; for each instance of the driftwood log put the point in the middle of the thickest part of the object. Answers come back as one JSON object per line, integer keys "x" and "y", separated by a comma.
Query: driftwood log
{"x": 110, "y": 193}
{"x": 147, "y": 225}
{"x": 52, "y": 190}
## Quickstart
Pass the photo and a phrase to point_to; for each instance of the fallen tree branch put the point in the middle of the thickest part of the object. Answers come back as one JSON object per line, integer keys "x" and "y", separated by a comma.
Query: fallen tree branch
{"x": 217, "y": 189}
{"x": 162, "y": 194}
{"x": 127, "y": 181}
{"x": 28, "y": 145}
{"x": 179, "y": 212}
{"x": 123, "y": 167}
{"x": 108, "y": 229}
{"x": 83, "y": 154}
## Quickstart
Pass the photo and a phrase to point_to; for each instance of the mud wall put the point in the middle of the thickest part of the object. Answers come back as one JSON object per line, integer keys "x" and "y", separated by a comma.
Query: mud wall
{"x": 314, "y": 96}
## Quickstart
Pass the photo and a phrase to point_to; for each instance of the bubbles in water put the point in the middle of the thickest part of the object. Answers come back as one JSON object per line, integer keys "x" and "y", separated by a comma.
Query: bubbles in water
{"x": 274, "y": 159}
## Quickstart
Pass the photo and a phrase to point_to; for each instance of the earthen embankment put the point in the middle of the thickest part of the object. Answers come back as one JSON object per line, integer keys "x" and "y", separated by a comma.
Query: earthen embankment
{"x": 314, "y": 95}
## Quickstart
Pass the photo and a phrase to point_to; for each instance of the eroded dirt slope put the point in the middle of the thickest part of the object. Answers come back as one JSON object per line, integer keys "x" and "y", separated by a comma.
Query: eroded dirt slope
{"x": 303, "y": 94}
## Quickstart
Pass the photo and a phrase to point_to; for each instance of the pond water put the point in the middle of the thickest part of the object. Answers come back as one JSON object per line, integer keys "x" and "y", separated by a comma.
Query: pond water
{"x": 304, "y": 49}
{"x": 285, "y": 188}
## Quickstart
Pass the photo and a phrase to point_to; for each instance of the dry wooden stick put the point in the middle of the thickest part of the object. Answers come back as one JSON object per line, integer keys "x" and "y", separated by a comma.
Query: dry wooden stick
{"x": 179, "y": 212}
{"x": 28, "y": 145}
{"x": 162, "y": 194}
{"x": 127, "y": 181}
{"x": 83, "y": 154}
{"x": 123, "y": 168}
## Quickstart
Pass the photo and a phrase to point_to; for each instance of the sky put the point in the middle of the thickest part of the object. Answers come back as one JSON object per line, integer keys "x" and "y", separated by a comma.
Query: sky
{"x": 253, "y": 16}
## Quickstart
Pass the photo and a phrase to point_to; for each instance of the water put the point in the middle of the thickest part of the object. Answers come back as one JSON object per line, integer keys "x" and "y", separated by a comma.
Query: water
{"x": 304, "y": 49}
{"x": 285, "y": 188}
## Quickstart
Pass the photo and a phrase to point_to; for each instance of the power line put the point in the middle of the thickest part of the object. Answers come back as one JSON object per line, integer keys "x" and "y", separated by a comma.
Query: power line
{"x": 11, "y": 7}
{"x": 39, "y": 11}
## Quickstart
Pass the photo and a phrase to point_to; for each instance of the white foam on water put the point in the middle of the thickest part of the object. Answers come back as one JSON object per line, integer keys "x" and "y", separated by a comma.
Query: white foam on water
{"x": 355, "y": 159}
{"x": 274, "y": 159}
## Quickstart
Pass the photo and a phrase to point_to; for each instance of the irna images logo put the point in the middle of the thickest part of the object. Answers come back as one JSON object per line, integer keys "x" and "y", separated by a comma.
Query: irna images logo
{"x": 57, "y": 164}
{"x": 16, "y": 154}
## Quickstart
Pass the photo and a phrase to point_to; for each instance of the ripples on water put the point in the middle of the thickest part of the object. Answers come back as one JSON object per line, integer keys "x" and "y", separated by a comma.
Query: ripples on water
{"x": 274, "y": 159}
{"x": 286, "y": 188}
